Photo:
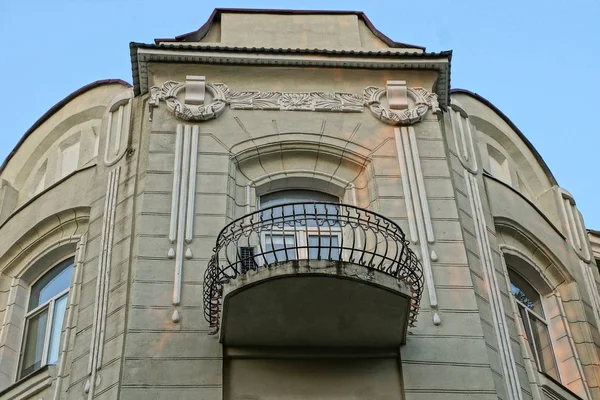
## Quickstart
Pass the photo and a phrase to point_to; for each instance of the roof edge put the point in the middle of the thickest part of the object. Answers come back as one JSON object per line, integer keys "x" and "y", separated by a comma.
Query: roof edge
{"x": 215, "y": 16}
{"x": 512, "y": 125}
{"x": 55, "y": 108}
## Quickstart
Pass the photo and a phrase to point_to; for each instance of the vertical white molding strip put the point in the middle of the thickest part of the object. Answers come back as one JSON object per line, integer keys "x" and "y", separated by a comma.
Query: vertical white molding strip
{"x": 470, "y": 168}
{"x": 471, "y": 144}
{"x": 191, "y": 195}
{"x": 577, "y": 236}
{"x": 111, "y": 232}
{"x": 108, "y": 138}
{"x": 119, "y": 128}
{"x": 99, "y": 272}
{"x": 500, "y": 327}
{"x": 183, "y": 200}
{"x": 406, "y": 188}
{"x": 103, "y": 280}
{"x": 461, "y": 130}
{"x": 79, "y": 257}
{"x": 530, "y": 366}
{"x": 181, "y": 217}
{"x": 421, "y": 185}
{"x": 416, "y": 203}
{"x": 176, "y": 183}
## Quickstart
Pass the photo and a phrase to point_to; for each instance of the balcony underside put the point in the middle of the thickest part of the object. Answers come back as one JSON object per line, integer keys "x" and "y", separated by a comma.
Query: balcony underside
{"x": 315, "y": 303}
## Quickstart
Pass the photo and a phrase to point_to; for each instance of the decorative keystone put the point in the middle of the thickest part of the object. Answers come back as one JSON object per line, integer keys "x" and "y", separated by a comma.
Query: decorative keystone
{"x": 397, "y": 95}
{"x": 195, "y": 88}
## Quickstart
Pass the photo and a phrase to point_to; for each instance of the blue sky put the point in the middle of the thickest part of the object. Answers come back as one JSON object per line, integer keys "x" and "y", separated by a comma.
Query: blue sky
{"x": 538, "y": 61}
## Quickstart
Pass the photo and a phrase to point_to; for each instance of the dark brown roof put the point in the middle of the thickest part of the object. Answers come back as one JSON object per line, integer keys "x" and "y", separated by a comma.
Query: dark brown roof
{"x": 197, "y": 35}
{"x": 55, "y": 108}
{"x": 537, "y": 155}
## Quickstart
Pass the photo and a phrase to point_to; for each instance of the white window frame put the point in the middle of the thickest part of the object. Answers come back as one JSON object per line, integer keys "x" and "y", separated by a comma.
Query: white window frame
{"x": 301, "y": 234}
{"x": 47, "y": 305}
{"x": 533, "y": 346}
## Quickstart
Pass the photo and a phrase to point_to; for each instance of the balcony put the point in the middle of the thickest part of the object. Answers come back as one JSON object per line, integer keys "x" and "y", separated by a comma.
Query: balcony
{"x": 312, "y": 274}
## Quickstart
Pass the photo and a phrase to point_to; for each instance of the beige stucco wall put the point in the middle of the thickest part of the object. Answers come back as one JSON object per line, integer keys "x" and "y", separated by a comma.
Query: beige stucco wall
{"x": 127, "y": 339}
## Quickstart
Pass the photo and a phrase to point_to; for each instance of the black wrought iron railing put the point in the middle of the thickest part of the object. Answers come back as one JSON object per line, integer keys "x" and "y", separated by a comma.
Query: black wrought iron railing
{"x": 313, "y": 231}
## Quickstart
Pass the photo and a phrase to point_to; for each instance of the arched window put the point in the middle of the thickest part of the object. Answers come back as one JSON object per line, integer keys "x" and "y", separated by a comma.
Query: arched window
{"x": 536, "y": 328}
{"x": 302, "y": 226}
{"x": 44, "y": 319}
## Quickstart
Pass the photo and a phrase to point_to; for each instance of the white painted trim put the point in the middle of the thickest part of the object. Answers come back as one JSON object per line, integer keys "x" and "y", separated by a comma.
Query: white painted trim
{"x": 176, "y": 183}
{"x": 191, "y": 193}
{"x": 99, "y": 272}
{"x": 410, "y": 212}
{"x": 179, "y": 252}
{"x": 501, "y": 329}
{"x": 79, "y": 259}
{"x": 407, "y": 145}
{"x": 103, "y": 280}
{"x": 107, "y": 263}
{"x": 421, "y": 184}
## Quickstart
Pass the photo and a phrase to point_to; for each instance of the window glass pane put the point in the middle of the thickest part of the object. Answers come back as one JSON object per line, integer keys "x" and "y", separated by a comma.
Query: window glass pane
{"x": 34, "y": 343}
{"x": 543, "y": 346}
{"x": 52, "y": 283}
{"x": 55, "y": 330}
{"x": 295, "y": 196}
{"x": 273, "y": 244}
{"x": 525, "y": 293}
{"x": 328, "y": 247}
{"x": 301, "y": 214}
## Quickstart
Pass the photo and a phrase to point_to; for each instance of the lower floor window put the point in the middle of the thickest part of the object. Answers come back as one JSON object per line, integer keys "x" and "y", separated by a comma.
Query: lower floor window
{"x": 536, "y": 327}
{"x": 45, "y": 318}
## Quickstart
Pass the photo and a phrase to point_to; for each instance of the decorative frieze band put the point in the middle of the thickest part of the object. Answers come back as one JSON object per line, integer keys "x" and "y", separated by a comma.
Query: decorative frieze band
{"x": 103, "y": 281}
{"x": 419, "y": 218}
{"x": 181, "y": 227}
{"x": 223, "y": 96}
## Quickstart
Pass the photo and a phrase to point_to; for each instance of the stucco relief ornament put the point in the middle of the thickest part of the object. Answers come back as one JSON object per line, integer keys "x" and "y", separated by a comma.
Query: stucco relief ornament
{"x": 423, "y": 99}
{"x": 187, "y": 112}
{"x": 222, "y": 96}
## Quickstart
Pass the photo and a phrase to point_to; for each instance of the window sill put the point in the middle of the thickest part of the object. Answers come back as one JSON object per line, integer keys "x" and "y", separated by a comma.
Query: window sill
{"x": 29, "y": 385}
{"x": 555, "y": 390}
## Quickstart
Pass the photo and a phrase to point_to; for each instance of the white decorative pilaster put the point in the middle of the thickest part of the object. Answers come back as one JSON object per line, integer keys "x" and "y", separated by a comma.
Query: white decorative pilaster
{"x": 419, "y": 219}
{"x": 103, "y": 281}
{"x": 462, "y": 132}
{"x": 181, "y": 227}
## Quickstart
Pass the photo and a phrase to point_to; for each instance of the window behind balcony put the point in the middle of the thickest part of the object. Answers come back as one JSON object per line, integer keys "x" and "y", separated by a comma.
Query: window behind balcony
{"x": 536, "y": 328}
{"x": 44, "y": 319}
{"x": 300, "y": 224}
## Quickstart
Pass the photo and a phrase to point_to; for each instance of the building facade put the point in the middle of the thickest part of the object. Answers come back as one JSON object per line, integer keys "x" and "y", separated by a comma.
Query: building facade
{"x": 290, "y": 205}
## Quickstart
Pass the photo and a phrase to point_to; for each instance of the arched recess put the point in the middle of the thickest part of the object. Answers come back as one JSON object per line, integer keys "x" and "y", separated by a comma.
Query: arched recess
{"x": 48, "y": 242}
{"x": 299, "y": 161}
{"x": 526, "y": 256}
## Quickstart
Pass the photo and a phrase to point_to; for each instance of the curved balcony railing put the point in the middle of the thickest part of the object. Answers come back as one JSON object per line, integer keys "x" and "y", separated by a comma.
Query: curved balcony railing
{"x": 313, "y": 231}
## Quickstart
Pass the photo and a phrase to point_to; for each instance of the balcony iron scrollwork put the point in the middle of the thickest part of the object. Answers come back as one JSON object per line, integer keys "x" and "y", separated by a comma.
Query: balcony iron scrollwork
{"x": 310, "y": 231}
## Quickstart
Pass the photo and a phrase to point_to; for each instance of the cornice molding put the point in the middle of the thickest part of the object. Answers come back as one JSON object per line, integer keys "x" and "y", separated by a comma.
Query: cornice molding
{"x": 142, "y": 54}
